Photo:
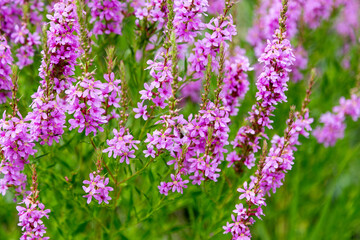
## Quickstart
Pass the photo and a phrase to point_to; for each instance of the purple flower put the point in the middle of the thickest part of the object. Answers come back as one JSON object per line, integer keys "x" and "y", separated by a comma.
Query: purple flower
{"x": 272, "y": 84}
{"x": 122, "y": 145}
{"x": 236, "y": 83}
{"x": 107, "y": 16}
{"x": 164, "y": 188}
{"x": 268, "y": 177}
{"x": 247, "y": 192}
{"x": 5, "y": 70}
{"x": 177, "y": 184}
{"x": 97, "y": 188}
{"x": 187, "y": 20}
{"x": 149, "y": 152}
{"x": 267, "y": 22}
{"x": 141, "y": 111}
{"x": 63, "y": 44}
{"x": 147, "y": 93}
{"x": 334, "y": 123}
{"x": 16, "y": 144}
{"x": 222, "y": 31}
{"x": 30, "y": 219}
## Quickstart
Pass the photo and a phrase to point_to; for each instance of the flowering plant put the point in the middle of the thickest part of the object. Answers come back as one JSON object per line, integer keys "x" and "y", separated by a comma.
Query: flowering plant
{"x": 181, "y": 119}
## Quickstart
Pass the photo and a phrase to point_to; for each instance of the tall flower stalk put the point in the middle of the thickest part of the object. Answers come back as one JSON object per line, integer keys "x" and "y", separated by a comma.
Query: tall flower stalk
{"x": 271, "y": 170}
{"x": 271, "y": 84}
{"x": 61, "y": 49}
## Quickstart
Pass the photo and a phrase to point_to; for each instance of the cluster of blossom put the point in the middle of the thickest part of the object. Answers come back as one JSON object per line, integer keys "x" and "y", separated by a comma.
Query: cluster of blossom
{"x": 11, "y": 12}
{"x": 86, "y": 102}
{"x": 347, "y": 24}
{"x": 277, "y": 58}
{"x": 97, "y": 188}
{"x": 122, "y": 145}
{"x": 312, "y": 13}
{"x": 107, "y": 16}
{"x": 187, "y": 24}
{"x": 236, "y": 82}
{"x": 196, "y": 146}
{"x": 47, "y": 118}
{"x": 221, "y": 30}
{"x": 58, "y": 64}
{"x": 315, "y": 11}
{"x": 187, "y": 20}
{"x": 216, "y": 6}
{"x": 5, "y": 70}
{"x": 9, "y": 15}
{"x": 16, "y": 145}
{"x": 63, "y": 46}
{"x": 28, "y": 42}
{"x": 159, "y": 90}
{"x": 268, "y": 21}
{"x": 154, "y": 11}
{"x": 334, "y": 123}
{"x": 30, "y": 219}
{"x": 191, "y": 90}
{"x": 268, "y": 177}
{"x": 17, "y": 25}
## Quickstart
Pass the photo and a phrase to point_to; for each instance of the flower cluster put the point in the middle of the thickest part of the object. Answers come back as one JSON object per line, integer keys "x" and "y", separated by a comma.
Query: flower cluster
{"x": 85, "y": 104}
{"x": 122, "y": 145}
{"x": 89, "y": 102}
{"x": 268, "y": 177}
{"x": 12, "y": 13}
{"x": 16, "y": 145}
{"x": 348, "y": 22}
{"x": 159, "y": 90}
{"x": 5, "y": 70}
{"x": 47, "y": 118}
{"x": 236, "y": 83}
{"x": 28, "y": 42}
{"x": 63, "y": 46}
{"x": 30, "y": 219}
{"x": 58, "y": 64}
{"x": 17, "y": 25}
{"x": 221, "y": 29}
{"x": 187, "y": 24}
{"x": 154, "y": 11}
{"x": 268, "y": 21}
{"x": 187, "y": 55}
{"x": 97, "y": 188}
{"x": 315, "y": 11}
{"x": 216, "y": 6}
{"x": 334, "y": 123}
{"x": 187, "y": 20}
{"x": 107, "y": 16}
{"x": 196, "y": 146}
{"x": 271, "y": 84}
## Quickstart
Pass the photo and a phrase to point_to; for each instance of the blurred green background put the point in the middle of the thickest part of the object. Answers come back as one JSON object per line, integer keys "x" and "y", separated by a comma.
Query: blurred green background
{"x": 320, "y": 198}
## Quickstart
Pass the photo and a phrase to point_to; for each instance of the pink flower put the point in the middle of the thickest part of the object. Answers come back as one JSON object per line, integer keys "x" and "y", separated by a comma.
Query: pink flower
{"x": 247, "y": 192}
{"x": 141, "y": 111}
{"x": 97, "y": 188}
